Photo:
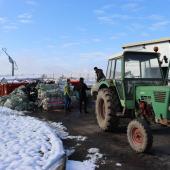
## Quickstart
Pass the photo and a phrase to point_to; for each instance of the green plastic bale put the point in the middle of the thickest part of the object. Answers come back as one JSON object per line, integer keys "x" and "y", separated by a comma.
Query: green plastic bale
{"x": 3, "y": 100}
{"x": 32, "y": 106}
{"x": 50, "y": 93}
{"x": 47, "y": 86}
{"x": 8, "y": 103}
{"x": 15, "y": 100}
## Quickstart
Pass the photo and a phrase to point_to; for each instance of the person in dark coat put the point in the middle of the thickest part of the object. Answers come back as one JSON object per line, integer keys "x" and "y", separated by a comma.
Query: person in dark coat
{"x": 99, "y": 73}
{"x": 82, "y": 95}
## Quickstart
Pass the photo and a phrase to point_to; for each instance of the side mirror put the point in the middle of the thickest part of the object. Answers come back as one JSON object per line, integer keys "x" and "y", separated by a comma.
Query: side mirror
{"x": 165, "y": 59}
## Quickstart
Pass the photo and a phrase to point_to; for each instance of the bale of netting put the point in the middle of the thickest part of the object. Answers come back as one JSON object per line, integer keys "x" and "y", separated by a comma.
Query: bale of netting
{"x": 51, "y": 96}
{"x": 3, "y": 100}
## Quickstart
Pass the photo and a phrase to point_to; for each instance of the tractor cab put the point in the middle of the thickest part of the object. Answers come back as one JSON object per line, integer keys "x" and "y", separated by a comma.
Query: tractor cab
{"x": 132, "y": 69}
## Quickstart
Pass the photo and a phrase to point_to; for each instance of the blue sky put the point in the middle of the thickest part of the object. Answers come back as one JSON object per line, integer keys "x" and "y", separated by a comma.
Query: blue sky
{"x": 72, "y": 36}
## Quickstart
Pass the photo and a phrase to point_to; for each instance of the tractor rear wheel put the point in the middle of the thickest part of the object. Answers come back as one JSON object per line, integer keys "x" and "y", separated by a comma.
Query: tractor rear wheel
{"x": 139, "y": 135}
{"x": 107, "y": 104}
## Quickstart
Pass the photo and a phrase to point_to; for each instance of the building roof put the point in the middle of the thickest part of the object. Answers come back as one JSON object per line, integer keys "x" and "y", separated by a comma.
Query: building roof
{"x": 146, "y": 42}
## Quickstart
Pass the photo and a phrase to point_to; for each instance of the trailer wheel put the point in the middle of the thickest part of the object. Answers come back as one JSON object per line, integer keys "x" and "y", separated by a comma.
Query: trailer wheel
{"x": 139, "y": 135}
{"x": 106, "y": 105}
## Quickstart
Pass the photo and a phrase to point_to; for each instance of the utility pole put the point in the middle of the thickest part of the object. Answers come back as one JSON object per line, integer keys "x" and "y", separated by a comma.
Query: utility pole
{"x": 10, "y": 60}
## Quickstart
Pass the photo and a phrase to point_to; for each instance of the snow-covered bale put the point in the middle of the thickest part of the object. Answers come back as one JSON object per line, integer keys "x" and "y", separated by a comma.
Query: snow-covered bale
{"x": 27, "y": 143}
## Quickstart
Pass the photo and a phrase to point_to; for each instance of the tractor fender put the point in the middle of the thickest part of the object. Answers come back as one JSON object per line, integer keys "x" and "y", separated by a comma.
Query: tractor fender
{"x": 100, "y": 85}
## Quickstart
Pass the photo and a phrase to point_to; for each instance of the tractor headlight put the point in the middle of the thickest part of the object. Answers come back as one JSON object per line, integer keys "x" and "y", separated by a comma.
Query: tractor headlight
{"x": 169, "y": 108}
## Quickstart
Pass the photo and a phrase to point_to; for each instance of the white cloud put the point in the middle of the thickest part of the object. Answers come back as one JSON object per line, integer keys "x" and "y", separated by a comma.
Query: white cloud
{"x": 10, "y": 26}
{"x": 70, "y": 44}
{"x": 121, "y": 16}
{"x": 159, "y": 25}
{"x": 155, "y": 17}
{"x": 81, "y": 29}
{"x": 132, "y": 7}
{"x": 104, "y": 15}
{"x": 25, "y": 18}
{"x": 64, "y": 37}
{"x": 144, "y": 34}
{"x": 6, "y": 24}
{"x": 106, "y": 19}
{"x": 51, "y": 46}
{"x": 93, "y": 55}
{"x": 31, "y": 2}
{"x": 96, "y": 40}
{"x": 118, "y": 35}
{"x": 3, "y": 20}
{"x": 107, "y": 6}
{"x": 99, "y": 11}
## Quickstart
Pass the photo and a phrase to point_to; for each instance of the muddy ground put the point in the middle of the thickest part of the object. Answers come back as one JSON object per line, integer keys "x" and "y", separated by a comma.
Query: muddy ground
{"x": 113, "y": 146}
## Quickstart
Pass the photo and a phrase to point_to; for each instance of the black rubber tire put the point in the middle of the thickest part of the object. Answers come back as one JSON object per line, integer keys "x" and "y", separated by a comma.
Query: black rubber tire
{"x": 139, "y": 135}
{"x": 107, "y": 103}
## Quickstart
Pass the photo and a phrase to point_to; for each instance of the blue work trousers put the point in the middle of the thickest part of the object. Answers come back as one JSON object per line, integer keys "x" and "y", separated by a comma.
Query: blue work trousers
{"x": 67, "y": 102}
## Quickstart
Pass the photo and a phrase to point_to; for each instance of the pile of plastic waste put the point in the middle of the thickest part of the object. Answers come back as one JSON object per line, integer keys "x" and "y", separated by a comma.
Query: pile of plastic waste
{"x": 36, "y": 96}
{"x": 18, "y": 100}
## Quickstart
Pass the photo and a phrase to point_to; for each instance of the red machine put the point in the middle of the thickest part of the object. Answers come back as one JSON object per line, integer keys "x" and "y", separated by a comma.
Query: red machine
{"x": 74, "y": 82}
{"x": 7, "y": 88}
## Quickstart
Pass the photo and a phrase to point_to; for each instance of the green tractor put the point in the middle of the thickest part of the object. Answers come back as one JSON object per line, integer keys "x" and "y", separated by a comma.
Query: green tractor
{"x": 135, "y": 88}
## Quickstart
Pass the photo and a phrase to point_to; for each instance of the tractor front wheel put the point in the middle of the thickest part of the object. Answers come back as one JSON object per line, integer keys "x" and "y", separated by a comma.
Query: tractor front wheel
{"x": 139, "y": 135}
{"x": 106, "y": 108}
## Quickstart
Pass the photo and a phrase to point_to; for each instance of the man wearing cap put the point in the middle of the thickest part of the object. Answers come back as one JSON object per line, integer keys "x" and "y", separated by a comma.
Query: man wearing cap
{"x": 99, "y": 73}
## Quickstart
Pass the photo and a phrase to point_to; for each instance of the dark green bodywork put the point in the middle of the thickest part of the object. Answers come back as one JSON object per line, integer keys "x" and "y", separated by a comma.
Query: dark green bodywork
{"x": 158, "y": 97}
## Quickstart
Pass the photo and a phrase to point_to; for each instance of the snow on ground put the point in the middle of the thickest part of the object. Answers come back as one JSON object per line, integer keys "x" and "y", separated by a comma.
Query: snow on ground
{"x": 118, "y": 164}
{"x": 7, "y": 111}
{"x": 69, "y": 151}
{"x": 77, "y": 165}
{"x": 90, "y": 164}
{"x": 59, "y": 129}
{"x": 78, "y": 138}
{"x": 93, "y": 153}
{"x": 63, "y": 134}
{"x": 27, "y": 143}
